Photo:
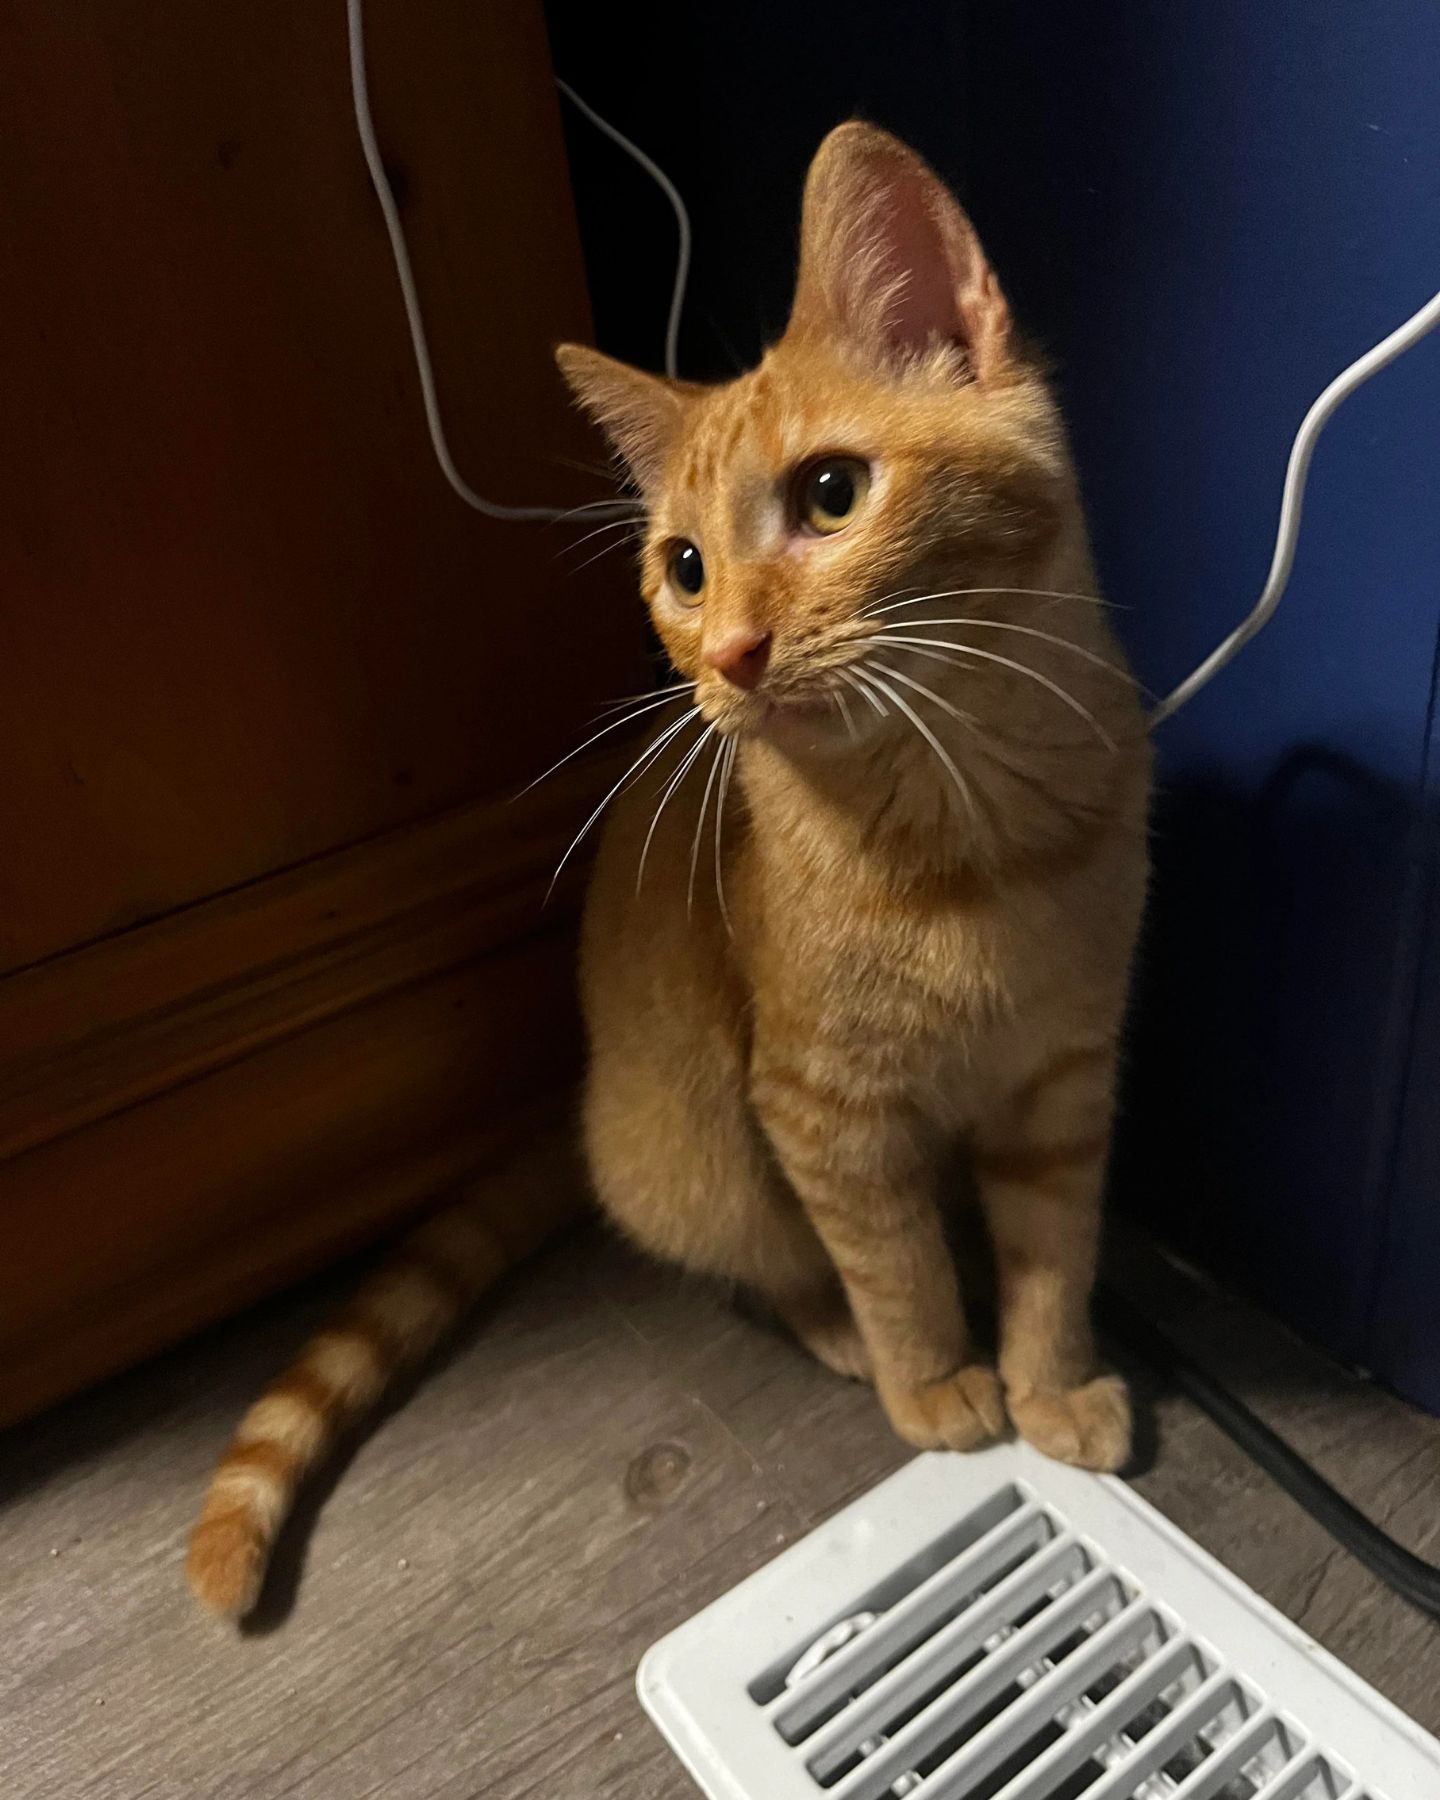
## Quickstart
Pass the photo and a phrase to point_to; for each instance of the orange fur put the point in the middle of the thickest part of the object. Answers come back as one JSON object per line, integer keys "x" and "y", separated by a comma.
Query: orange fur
{"x": 919, "y": 941}
{"x": 909, "y": 951}
{"x": 395, "y": 1319}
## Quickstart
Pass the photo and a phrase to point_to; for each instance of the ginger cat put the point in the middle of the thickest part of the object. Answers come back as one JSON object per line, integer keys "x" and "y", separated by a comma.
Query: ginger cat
{"x": 868, "y": 560}
{"x": 898, "y": 911}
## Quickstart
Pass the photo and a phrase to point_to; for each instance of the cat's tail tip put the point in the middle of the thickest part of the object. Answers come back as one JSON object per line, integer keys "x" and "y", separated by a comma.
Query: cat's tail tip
{"x": 279, "y": 1440}
{"x": 398, "y": 1315}
{"x": 225, "y": 1567}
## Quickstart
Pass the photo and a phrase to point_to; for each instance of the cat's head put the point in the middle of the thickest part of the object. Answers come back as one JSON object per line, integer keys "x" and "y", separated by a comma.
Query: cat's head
{"x": 896, "y": 441}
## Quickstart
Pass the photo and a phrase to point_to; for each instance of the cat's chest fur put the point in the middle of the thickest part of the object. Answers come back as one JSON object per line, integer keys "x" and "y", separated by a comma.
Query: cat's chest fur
{"x": 884, "y": 955}
{"x": 862, "y": 937}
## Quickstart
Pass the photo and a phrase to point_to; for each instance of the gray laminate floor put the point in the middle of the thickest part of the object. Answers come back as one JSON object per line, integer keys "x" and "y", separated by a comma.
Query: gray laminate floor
{"x": 607, "y": 1450}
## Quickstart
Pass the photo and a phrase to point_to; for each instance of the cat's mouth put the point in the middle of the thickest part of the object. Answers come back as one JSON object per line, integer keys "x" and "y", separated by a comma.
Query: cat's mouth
{"x": 816, "y": 706}
{"x": 812, "y": 709}
{"x": 812, "y": 703}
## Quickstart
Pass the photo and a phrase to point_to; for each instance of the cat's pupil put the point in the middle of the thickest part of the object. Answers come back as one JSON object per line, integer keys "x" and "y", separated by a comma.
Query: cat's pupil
{"x": 687, "y": 570}
{"x": 833, "y": 489}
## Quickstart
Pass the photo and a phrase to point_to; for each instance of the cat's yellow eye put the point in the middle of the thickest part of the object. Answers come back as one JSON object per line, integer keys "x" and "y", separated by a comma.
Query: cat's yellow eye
{"x": 830, "y": 492}
{"x": 686, "y": 570}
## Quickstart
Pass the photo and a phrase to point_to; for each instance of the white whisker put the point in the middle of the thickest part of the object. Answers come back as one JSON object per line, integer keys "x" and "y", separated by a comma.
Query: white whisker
{"x": 952, "y": 656}
{"x": 715, "y": 763}
{"x": 599, "y": 531}
{"x": 664, "y": 801}
{"x": 847, "y": 676}
{"x": 730, "y": 752}
{"x": 1032, "y": 631}
{"x": 638, "y": 767}
{"x": 675, "y": 687}
{"x": 968, "y": 720}
{"x": 605, "y": 549}
{"x": 633, "y": 509}
{"x": 987, "y": 743}
{"x": 844, "y": 706}
{"x": 1019, "y": 668}
{"x": 895, "y": 602}
{"x": 962, "y": 787}
{"x": 650, "y": 705}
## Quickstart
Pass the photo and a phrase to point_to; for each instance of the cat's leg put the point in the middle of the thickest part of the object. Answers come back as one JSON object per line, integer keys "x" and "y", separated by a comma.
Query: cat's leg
{"x": 683, "y": 1170}
{"x": 866, "y": 1175}
{"x": 1040, "y": 1163}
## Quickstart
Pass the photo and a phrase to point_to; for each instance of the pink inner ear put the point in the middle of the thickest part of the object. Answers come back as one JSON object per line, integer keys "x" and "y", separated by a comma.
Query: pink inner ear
{"x": 926, "y": 306}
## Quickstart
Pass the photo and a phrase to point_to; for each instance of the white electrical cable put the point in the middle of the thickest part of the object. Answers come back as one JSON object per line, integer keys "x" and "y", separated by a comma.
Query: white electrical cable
{"x": 420, "y": 343}
{"x": 1296, "y": 473}
{"x": 682, "y": 222}
{"x": 1288, "y": 530}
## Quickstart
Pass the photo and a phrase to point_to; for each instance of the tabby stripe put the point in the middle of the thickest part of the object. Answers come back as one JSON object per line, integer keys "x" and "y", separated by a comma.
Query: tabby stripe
{"x": 1037, "y": 1163}
{"x": 264, "y": 1457}
{"x": 306, "y": 1386}
{"x": 396, "y": 1317}
{"x": 1060, "y": 1067}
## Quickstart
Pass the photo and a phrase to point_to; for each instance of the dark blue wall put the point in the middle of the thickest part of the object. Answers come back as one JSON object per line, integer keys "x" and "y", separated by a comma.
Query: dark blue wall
{"x": 1204, "y": 212}
{"x": 1210, "y": 210}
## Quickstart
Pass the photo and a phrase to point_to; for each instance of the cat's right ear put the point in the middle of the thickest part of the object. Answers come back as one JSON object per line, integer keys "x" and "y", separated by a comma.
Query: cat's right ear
{"x": 890, "y": 263}
{"x": 639, "y": 413}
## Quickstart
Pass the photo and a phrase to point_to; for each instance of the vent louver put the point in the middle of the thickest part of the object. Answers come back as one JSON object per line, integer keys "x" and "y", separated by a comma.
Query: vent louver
{"x": 997, "y": 1627}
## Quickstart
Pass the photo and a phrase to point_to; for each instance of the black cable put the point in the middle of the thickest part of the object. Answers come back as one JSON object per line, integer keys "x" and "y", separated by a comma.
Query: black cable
{"x": 1400, "y": 1569}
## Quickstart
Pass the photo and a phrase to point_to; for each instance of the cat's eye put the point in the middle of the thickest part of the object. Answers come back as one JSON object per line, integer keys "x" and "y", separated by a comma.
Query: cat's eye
{"x": 830, "y": 492}
{"x": 686, "y": 570}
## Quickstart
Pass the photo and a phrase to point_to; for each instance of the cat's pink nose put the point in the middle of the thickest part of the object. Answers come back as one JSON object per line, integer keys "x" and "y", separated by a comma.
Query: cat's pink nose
{"x": 741, "y": 657}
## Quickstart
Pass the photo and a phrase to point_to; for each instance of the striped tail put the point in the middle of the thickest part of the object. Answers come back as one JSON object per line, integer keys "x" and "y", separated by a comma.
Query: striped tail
{"x": 399, "y": 1315}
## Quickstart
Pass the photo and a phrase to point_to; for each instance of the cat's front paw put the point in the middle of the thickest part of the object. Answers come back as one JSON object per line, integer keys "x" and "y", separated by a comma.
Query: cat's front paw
{"x": 958, "y": 1412}
{"x": 1089, "y": 1426}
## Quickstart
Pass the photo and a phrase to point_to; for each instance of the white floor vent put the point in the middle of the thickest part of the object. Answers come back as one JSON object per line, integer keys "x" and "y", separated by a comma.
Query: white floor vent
{"x": 996, "y": 1627}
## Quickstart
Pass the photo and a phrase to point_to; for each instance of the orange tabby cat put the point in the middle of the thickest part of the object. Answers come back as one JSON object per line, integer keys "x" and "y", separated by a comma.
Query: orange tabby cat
{"x": 869, "y": 558}
{"x": 889, "y": 902}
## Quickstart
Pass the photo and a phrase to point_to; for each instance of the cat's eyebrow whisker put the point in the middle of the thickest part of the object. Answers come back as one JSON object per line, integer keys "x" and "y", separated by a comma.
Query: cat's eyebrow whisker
{"x": 633, "y": 509}
{"x": 895, "y": 603}
{"x": 619, "y": 544}
{"x": 599, "y": 531}
{"x": 651, "y": 703}
{"x": 848, "y": 675}
{"x": 1019, "y": 668}
{"x": 614, "y": 544}
{"x": 715, "y": 763}
{"x": 731, "y": 750}
{"x": 670, "y": 786}
{"x": 1032, "y": 631}
{"x": 962, "y": 787}
{"x": 638, "y": 767}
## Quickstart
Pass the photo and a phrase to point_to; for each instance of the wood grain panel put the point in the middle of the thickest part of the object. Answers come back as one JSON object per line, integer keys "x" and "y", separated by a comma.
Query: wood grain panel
{"x": 199, "y": 1110}
{"x": 119, "y": 1021}
{"x": 244, "y": 620}
{"x": 274, "y": 964}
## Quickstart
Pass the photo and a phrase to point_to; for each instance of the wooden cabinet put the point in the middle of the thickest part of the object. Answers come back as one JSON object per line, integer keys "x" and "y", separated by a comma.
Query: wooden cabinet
{"x": 273, "y": 959}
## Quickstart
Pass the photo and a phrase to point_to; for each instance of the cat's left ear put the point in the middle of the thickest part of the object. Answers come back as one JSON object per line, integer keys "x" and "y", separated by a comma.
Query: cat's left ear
{"x": 890, "y": 261}
{"x": 640, "y": 414}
